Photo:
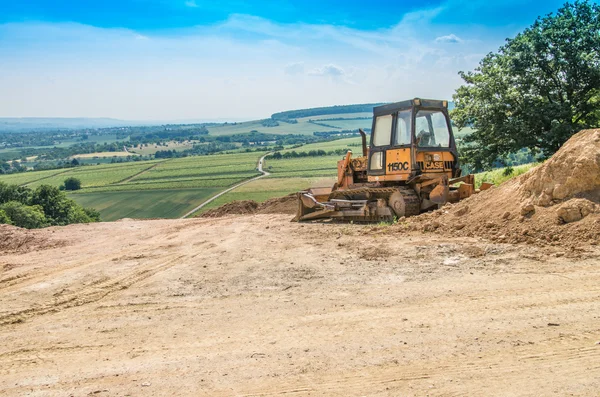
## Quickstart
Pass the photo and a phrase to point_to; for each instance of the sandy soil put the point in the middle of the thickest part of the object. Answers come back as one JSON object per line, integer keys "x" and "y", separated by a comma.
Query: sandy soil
{"x": 256, "y": 305}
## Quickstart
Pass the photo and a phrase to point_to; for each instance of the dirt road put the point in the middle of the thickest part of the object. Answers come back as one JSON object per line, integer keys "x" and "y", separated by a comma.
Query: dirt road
{"x": 259, "y": 167}
{"x": 256, "y": 305}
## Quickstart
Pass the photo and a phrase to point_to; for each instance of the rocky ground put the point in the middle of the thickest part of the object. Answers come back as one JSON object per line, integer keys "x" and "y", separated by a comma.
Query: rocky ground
{"x": 256, "y": 305}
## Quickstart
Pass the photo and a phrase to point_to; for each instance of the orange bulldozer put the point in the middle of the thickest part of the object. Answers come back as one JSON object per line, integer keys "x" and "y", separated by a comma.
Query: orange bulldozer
{"x": 410, "y": 166}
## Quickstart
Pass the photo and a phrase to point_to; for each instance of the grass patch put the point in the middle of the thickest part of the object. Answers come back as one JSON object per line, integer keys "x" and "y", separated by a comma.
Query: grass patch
{"x": 103, "y": 155}
{"x": 166, "y": 203}
{"x": 501, "y": 175}
{"x": 24, "y": 178}
{"x": 170, "y": 145}
{"x": 324, "y": 166}
{"x": 353, "y": 144}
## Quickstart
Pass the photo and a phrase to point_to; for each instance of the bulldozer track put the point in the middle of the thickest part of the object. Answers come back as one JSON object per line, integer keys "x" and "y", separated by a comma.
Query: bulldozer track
{"x": 412, "y": 201}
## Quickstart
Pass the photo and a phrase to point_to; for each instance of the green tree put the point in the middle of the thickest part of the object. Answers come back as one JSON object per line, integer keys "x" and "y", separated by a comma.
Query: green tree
{"x": 54, "y": 203}
{"x": 72, "y": 183}
{"x": 93, "y": 214}
{"x": 540, "y": 88}
{"x": 8, "y": 193}
{"x": 77, "y": 214}
{"x": 30, "y": 217}
{"x": 4, "y": 219}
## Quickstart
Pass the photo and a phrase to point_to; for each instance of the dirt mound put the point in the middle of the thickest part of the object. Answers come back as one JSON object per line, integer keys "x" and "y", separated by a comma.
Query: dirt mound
{"x": 238, "y": 207}
{"x": 572, "y": 171}
{"x": 15, "y": 239}
{"x": 555, "y": 203}
{"x": 279, "y": 205}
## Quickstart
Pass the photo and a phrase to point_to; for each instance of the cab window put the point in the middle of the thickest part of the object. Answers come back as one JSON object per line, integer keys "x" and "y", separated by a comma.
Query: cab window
{"x": 403, "y": 128}
{"x": 376, "y": 161}
{"x": 431, "y": 129}
{"x": 382, "y": 136}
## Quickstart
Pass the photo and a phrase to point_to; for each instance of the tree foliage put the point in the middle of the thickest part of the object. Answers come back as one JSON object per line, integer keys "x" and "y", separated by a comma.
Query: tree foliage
{"x": 44, "y": 206}
{"x": 27, "y": 216}
{"x": 72, "y": 183}
{"x": 4, "y": 218}
{"x": 540, "y": 88}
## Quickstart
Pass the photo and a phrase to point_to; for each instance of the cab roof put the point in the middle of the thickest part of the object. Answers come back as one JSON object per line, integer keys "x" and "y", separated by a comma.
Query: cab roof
{"x": 409, "y": 103}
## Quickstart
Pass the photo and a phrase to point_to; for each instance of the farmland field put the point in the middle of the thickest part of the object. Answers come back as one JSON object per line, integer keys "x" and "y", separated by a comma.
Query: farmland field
{"x": 163, "y": 203}
{"x": 100, "y": 175}
{"x": 171, "y": 145}
{"x": 323, "y": 166}
{"x": 29, "y": 177}
{"x": 103, "y": 155}
{"x": 159, "y": 188}
{"x": 353, "y": 144}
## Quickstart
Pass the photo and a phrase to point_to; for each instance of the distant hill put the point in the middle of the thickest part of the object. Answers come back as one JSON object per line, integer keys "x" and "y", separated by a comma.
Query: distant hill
{"x": 51, "y": 123}
{"x": 338, "y": 109}
{"x": 15, "y": 124}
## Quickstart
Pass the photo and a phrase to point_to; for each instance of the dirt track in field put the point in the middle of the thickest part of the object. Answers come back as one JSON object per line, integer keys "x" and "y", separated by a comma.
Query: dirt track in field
{"x": 256, "y": 305}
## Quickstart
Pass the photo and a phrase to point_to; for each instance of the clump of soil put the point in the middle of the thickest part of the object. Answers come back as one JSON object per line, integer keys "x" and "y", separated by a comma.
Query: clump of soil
{"x": 556, "y": 203}
{"x": 16, "y": 239}
{"x": 238, "y": 207}
{"x": 279, "y": 205}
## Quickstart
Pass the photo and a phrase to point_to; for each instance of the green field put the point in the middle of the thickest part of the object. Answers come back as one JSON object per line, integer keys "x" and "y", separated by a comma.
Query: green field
{"x": 24, "y": 178}
{"x": 148, "y": 189}
{"x": 167, "y": 203}
{"x": 310, "y": 167}
{"x": 353, "y": 144}
{"x": 98, "y": 175}
{"x": 170, "y": 145}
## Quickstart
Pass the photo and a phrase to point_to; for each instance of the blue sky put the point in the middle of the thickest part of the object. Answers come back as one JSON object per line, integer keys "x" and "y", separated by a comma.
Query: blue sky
{"x": 195, "y": 59}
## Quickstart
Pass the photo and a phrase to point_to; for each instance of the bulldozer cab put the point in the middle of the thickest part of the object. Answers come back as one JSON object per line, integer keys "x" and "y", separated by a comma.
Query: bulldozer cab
{"x": 411, "y": 138}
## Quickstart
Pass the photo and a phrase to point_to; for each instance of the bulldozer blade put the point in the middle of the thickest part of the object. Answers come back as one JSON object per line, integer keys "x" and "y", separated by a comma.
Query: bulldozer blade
{"x": 439, "y": 194}
{"x": 308, "y": 201}
{"x": 485, "y": 186}
{"x": 309, "y": 207}
{"x": 320, "y": 214}
{"x": 320, "y": 194}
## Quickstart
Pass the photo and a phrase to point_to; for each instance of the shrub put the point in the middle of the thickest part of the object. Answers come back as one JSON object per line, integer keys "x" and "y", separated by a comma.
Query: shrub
{"x": 14, "y": 193}
{"x": 93, "y": 214}
{"x": 27, "y": 216}
{"x": 4, "y": 219}
{"x": 72, "y": 183}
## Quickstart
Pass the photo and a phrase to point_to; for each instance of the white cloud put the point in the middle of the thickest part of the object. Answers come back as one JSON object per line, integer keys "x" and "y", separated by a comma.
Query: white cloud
{"x": 245, "y": 67}
{"x": 451, "y": 39}
{"x": 294, "y": 68}
{"x": 191, "y": 3}
{"x": 328, "y": 70}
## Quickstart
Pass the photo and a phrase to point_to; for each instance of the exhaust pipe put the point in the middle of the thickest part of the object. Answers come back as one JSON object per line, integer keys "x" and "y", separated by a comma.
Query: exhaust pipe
{"x": 364, "y": 141}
